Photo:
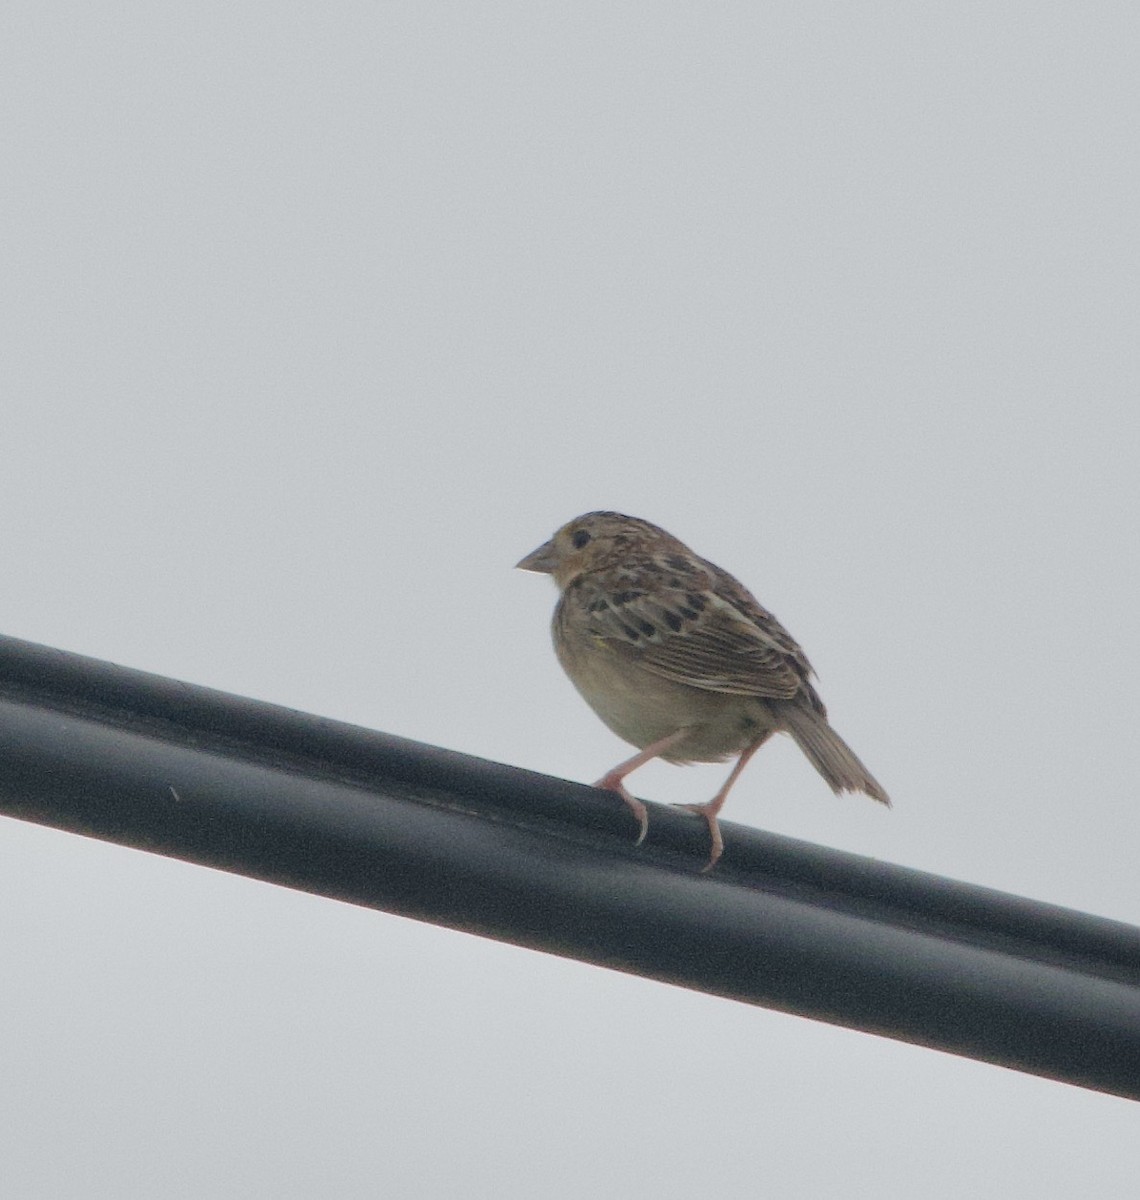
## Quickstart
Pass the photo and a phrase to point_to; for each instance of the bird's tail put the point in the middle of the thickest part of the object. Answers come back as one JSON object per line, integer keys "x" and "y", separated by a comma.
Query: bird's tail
{"x": 830, "y": 754}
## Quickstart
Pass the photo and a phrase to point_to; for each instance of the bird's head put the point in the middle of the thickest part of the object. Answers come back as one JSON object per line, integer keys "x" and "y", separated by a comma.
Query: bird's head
{"x": 591, "y": 542}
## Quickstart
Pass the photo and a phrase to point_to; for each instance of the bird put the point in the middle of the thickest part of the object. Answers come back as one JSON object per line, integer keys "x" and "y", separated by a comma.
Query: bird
{"x": 679, "y": 659}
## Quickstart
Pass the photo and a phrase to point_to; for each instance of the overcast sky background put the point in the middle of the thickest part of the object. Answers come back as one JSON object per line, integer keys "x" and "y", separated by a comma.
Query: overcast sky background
{"x": 317, "y": 317}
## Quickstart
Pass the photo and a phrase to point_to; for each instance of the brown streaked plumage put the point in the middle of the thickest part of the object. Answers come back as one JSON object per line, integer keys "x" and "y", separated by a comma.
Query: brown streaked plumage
{"x": 680, "y": 659}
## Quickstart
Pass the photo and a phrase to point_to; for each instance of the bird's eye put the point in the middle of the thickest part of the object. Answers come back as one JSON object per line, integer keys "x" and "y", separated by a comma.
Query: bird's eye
{"x": 581, "y": 537}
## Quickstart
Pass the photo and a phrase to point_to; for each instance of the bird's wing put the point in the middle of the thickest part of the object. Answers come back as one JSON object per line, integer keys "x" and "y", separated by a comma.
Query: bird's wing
{"x": 708, "y": 633}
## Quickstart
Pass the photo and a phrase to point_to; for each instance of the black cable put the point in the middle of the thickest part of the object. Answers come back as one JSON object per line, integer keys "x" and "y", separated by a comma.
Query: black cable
{"x": 372, "y": 819}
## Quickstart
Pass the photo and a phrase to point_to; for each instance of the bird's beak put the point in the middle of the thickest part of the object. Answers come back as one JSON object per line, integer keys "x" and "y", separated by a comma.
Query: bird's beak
{"x": 542, "y": 560}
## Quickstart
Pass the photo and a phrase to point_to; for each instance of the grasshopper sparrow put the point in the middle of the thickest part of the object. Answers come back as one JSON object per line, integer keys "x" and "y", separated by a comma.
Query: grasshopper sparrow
{"x": 680, "y": 659}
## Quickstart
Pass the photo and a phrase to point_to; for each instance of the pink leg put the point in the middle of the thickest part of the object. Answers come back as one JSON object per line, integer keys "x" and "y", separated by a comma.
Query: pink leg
{"x": 710, "y": 809}
{"x": 611, "y": 781}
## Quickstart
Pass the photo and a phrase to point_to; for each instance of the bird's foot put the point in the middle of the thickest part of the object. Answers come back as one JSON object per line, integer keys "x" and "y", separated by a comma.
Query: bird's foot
{"x": 708, "y": 812}
{"x": 613, "y": 783}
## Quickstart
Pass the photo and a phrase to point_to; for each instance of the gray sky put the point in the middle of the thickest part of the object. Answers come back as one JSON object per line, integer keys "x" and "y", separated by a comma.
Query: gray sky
{"x": 317, "y": 317}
